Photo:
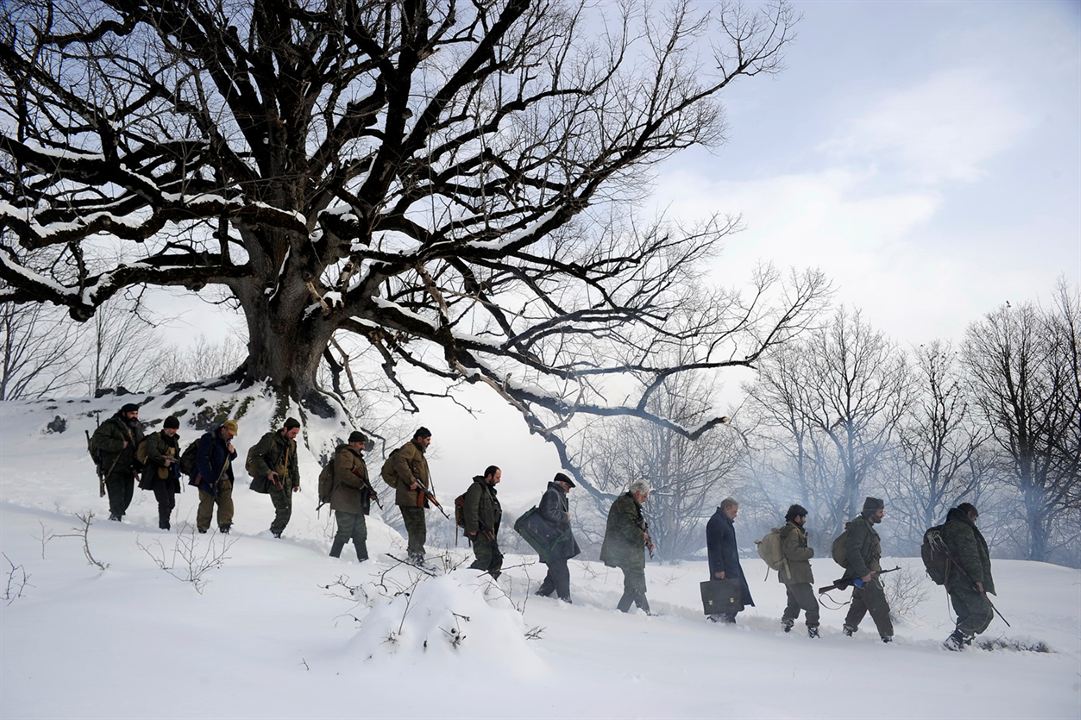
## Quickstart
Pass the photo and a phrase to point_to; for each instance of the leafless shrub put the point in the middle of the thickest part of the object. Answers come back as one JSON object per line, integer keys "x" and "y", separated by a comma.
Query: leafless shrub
{"x": 190, "y": 560}
{"x": 17, "y": 582}
{"x": 905, "y": 590}
{"x": 82, "y": 532}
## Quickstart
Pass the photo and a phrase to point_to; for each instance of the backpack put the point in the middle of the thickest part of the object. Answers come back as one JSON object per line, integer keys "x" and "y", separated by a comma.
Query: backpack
{"x": 142, "y": 452}
{"x": 936, "y": 559}
{"x": 326, "y": 483}
{"x": 459, "y": 511}
{"x": 187, "y": 459}
{"x": 769, "y": 549}
{"x": 838, "y": 551}
{"x": 387, "y": 471}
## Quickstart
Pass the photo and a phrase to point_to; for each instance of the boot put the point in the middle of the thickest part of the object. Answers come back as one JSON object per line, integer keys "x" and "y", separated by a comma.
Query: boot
{"x": 336, "y": 548}
{"x": 848, "y": 630}
{"x": 955, "y": 642}
{"x": 787, "y": 624}
{"x": 887, "y": 638}
{"x": 114, "y": 517}
{"x": 224, "y": 529}
{"x": 812, "y": 631}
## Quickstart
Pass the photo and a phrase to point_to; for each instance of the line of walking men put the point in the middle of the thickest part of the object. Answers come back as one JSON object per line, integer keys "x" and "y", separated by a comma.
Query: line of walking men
{"x": 119, "y": 445}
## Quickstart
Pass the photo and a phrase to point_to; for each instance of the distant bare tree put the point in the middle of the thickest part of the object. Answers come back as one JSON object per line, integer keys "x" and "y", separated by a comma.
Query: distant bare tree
{"x": 199, "y": 360}
{"x": 937, "y": 445}
{"x": 123, "y": 349}
{"x": 1024, "y": 365}
{"x": 833, "y": 404}
{"x": 37, "y": 351}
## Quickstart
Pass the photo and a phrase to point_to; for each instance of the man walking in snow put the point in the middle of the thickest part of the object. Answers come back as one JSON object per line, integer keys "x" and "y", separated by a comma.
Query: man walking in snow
{"x": 796, "y": 573}
{"x": 214, "y": 455}
{"x": 351, "y": 497}
{"x": 626, "y": 538}
{"x": 482, "y": 515}
{"x": 274, "y": 458}
{"x": 968, "y": 579}
{"x": 863, "y": 553}
{"x": 723, "y": 554}
{"x": 161, "y": 473}
{"x": 554, "y": 509}
{"x": 113, "y": 448}
{"x": 411, "y": 480}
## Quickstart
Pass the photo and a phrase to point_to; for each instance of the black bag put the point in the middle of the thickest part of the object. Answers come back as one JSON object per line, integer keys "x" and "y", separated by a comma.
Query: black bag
{"x": 541, "y": 535}
{"x": 936, "y": 559}
{"x": 722, "y": 596}
{"x": 260, "y": 484}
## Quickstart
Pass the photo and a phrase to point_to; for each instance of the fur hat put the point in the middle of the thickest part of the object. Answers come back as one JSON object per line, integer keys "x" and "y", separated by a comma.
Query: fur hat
{"x": 128, "y": 407}
{"x": 872, "y": 504}
{"x": 356, "y": 436}
{"x": 171, "y": 422}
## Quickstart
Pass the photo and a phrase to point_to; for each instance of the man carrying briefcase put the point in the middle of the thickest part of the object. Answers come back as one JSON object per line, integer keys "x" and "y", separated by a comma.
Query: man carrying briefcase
{"x": 728, "y": 588}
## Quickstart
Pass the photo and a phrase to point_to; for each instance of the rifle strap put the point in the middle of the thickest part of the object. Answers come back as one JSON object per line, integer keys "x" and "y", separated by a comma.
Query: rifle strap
{"x": 833, "y": 604}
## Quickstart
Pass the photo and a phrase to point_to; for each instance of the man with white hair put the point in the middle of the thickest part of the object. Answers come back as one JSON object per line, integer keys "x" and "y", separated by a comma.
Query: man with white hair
{"x": 626, "y": 538}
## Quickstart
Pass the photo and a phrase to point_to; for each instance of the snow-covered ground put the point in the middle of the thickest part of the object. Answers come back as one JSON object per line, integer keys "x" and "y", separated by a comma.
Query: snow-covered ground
{"x": 265, "y": 637}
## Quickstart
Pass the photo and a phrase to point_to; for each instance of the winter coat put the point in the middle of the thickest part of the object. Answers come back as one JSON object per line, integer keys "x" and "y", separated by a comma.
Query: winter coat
{"x": 351, "y": 491}
{"x": 108, "y": 447}
{"x": 624, "y": 542}
{"x": 274, "y": 453}
{"x": 212, "y": 461}
{"x": 863, "y": 548}
{"x": 724, "y": 553}
{"x": 410, "y": 466}
{"x": 157, "y": 474}
{"x": 481, "y": 509}
{"x": 797, "y": 555}
{"x": 969, "y": 550}
{"x": 555, "y": 509}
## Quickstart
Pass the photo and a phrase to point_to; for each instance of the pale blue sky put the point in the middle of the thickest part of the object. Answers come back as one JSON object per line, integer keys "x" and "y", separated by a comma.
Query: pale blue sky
{"x": 926, "y": 155}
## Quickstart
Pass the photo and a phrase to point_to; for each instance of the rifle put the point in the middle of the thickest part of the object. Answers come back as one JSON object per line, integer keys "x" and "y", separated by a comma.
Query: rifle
{"x": 430, "y": 497}
{"x": 949, "y": 556}
{"x": 845, "y": 583}
{"x": 97, "y": 466}
{"x": 368, "y": 484}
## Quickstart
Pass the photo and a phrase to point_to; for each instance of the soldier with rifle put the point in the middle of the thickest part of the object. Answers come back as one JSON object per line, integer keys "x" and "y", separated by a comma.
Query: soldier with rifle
{"x": 351, "y": 497}
{"x": 968, "y": 576}
{"x": 272, "y": 463}
{"x": 863, "y": 552}
{"x": 113, "y": 449}
{"x": 409, "y": 475}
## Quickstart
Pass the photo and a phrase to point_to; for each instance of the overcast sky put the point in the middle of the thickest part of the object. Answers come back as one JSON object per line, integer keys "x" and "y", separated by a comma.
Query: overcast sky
{"x": 925, "y": 155}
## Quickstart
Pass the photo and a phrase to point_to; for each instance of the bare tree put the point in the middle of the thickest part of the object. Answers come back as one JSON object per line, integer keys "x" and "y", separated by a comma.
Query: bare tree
{"x": 450, "y": 183}
{"x": 938, "y": 442}
{"x": 1024, "y": 365}
{"x": 686, "y": 476}
{"x": 37, "y": 352}
{"x": 123, "y": 349}
{"x": 834, "y": 404}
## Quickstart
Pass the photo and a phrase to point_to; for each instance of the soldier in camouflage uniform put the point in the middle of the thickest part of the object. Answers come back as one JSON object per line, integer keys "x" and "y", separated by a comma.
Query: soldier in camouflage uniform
{"x": 275, "y": 458}
{"x": 113, "y": 448}
{"x": 863, "y": 553}
{"x": 968, "y": 579}
{"x": 482, "y": 515}
{"x": 626, "y": 538}
{"x": 796, "y": 573}
{"x": 351, "y": 497}
{"x": 412, "y": 478}
{"x": 161, "y": 473}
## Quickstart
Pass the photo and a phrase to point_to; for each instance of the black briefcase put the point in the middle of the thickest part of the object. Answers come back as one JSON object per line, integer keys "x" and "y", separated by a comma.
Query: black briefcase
{"x": 721, "y": 596}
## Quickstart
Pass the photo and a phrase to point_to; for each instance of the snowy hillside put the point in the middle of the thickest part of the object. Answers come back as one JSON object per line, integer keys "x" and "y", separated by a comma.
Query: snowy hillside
{"x": 278, "y": 629}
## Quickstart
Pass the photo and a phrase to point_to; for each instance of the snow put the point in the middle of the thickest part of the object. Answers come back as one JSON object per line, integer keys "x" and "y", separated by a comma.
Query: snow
{"x": 266, "y": 637}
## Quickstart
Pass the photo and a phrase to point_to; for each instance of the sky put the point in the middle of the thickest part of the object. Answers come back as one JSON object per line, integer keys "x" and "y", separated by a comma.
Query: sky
{"x": 926, "y": 156}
